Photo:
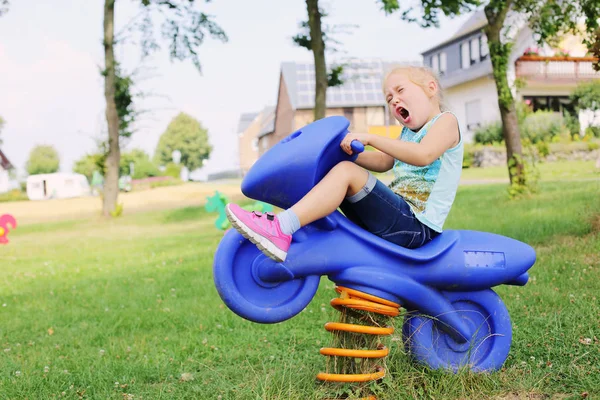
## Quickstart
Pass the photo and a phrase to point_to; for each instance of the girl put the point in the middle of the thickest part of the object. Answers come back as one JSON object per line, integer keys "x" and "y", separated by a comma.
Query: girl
{"x": 427, "y": 162}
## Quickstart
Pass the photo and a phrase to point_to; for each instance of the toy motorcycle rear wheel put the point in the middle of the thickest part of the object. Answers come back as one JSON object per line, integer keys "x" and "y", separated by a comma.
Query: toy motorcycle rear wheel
{"x": 248, "y": 296}
{"x": 488, "y": 319}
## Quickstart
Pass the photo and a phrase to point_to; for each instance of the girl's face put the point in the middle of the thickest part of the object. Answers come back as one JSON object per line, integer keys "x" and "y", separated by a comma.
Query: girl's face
{"x": 410, "y": 103}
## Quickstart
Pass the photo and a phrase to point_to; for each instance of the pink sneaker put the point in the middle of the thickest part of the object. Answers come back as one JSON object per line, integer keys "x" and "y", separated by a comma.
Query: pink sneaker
{"x": 261, "y": 229}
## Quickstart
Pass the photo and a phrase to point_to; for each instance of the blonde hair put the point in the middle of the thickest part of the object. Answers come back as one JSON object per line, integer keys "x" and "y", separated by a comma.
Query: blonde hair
{"x": 420, "y": 76}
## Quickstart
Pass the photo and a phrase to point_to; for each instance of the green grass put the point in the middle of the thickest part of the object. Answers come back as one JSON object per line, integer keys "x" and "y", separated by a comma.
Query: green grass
{"x": 549, "y": 171}
{"x": 127, "y": 309}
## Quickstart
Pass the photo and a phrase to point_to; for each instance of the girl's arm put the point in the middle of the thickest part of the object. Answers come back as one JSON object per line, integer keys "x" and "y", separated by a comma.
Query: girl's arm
{"x": 376, "y": 161}
{"x": 441, "y": 136}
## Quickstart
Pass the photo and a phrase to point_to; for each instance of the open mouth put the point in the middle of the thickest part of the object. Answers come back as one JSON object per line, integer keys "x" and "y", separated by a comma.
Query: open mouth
{"x": 403, "y": 112}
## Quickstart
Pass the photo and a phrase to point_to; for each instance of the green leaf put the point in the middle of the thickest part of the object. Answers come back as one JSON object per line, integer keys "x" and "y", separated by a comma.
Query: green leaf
{"x": 42, "y": 160}
{"x": 187, "y": 135}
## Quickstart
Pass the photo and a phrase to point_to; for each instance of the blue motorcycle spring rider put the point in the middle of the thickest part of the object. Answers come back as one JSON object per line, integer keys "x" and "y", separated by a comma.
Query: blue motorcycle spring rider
{"x": 453, "y": 318}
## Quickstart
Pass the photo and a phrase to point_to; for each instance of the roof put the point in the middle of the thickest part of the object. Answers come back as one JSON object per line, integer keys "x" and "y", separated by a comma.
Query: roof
{"x": 55, "y": 175}
{"x": 245, "y": 121}
{"x": 4, "y": 162}
{"x": 362, "y": 79}
{"x": 267, "y": 122}
{"x": 476, "y": 22}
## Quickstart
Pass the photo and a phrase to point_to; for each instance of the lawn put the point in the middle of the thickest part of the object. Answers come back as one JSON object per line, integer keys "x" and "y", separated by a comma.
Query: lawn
{"x": 127, "y": 309}
{"x": 549, "y": 171}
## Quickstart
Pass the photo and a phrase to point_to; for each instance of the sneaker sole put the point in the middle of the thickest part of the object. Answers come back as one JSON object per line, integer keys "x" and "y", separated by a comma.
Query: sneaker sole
{"x": 264, "y": 244}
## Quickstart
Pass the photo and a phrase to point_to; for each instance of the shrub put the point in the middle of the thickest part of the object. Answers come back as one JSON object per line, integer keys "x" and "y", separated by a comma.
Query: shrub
{"x": 469, "y": 152}
{"x": 169, "y": 182}
{"x": 173, "y": 170}
{"x": 489, "y": 134}
{"x": 13, "y": 195}
{"x": 593, "y": 131}
{"x": 542, "y": 126}
{"x": 593, "y": 146}
{"x": 572, "y": 123}
{"x": 523, "y": 111}
{"x": 118, "y": 211}
{"x": 542, "y": 148}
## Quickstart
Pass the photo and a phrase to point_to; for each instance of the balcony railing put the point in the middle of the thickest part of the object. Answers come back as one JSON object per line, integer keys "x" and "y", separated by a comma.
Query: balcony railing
{"x": 558, "y": 69}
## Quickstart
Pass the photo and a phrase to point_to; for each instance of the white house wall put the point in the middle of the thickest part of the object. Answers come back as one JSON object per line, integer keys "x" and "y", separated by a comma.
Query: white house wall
{"x": 523, "y": 40}
{"x": 482, "y": 90}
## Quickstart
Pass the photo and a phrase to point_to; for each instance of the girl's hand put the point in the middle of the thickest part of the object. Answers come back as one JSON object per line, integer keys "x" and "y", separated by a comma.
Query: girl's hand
{"x": 361, "y": 137}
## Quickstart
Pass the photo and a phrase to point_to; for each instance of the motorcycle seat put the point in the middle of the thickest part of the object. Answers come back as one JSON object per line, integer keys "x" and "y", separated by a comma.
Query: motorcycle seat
{"x": 435, "y": 248}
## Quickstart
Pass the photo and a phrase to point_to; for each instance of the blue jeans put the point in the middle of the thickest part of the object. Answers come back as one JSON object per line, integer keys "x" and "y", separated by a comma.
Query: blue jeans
{"x": 382, "y": 212}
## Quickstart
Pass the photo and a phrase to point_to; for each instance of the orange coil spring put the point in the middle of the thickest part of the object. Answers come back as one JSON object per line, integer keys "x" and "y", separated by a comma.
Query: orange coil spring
{"x": 354, "y": 299}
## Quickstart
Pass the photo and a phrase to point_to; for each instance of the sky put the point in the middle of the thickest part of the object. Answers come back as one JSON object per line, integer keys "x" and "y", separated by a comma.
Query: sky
{"x": 51, "y": 91}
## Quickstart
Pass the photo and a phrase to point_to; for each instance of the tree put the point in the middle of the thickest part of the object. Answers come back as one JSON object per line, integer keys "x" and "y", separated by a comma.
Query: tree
{"x": 323, "y": 34}
{"x": 316, "y": 43}
{"x": 3, "y": 7}
{"x": 187, "y": 135}
{"x": 184, "y": 27}
{"x": 316, "y": 38}
{"x": 548, "y": 20}
{"x": 90, "y": 163}
{"x": 42, "y": 160}
{"x": 587, "y": 97}
{"x": 143, "y": 167}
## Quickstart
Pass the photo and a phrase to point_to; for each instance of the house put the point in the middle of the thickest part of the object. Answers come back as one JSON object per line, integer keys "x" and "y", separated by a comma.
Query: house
{"x": 5, "y": 167}
{"x": 251, "y": 127}
{"x": 465, "y": 70}
{"x": 58, "y": 185}
{"x": 359, "y": 98}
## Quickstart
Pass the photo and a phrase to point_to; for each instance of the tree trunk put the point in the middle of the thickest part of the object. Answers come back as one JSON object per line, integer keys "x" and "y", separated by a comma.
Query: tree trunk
{"x": 500, "y": 54}
{"x": 318, "y": 49}
{"x": 111, "y": 180}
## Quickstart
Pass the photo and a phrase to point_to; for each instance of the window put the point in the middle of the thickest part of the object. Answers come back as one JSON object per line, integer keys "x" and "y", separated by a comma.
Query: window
{"x": 550, "y": 103}
{"x": 465, "y": 57}
{"x": 255, "y": 145}
{"x": 443, "y": 63}
{"x": 473, "y": 111}
{"x": 438, "y": 62}
{"x": 349, "y": 113}
{"x": 474, "y": 50}
{"x": 483, "y": 47}
{"x": 435, "y": 63}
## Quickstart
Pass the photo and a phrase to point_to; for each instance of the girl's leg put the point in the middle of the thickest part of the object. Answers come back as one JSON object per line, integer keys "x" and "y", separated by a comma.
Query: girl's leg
{"x": 345, "y": 179}
{"x": 273, "y": 238}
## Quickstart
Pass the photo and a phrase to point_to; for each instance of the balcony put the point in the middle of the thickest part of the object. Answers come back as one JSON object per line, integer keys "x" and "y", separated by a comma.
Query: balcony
{"x": 568, "y": 70}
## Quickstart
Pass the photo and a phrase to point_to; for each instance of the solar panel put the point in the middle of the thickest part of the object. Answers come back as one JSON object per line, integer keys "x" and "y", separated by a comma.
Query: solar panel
{"x": 361, "y": 84}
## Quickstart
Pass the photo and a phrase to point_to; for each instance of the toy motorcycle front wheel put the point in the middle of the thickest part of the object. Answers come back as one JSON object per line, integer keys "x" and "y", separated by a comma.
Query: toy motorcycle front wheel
{"x": 249, "y": 297}
{"x": 487, "y": 349}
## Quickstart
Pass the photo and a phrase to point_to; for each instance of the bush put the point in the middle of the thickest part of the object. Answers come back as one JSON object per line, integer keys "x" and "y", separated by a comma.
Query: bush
{"x": 572, "y": 123}
{"x": 593, "y": 131}
{"x": 169, "y": 182}
{"x": 593, "y": 146}
{"x": 542, "y": 148}
{"x": 173, "y": 170}
{"x": 489, "y": 134}
{"x": 523, "y": 111}
{"x": 13, "y": 195}
{"x": 543, "y": 126}
{"x": 469, "y": 153}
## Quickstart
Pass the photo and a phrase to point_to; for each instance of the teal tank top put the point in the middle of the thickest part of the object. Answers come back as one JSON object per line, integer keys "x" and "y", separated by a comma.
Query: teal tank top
{"x": 429, "y": 190}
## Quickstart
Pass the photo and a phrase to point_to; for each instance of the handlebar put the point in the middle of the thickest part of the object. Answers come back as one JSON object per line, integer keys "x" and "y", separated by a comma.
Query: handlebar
{"x": 357, "y": 146}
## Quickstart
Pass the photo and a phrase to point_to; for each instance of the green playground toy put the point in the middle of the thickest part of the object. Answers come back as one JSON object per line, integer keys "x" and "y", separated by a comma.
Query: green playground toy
{"x": 217, "y": 203}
